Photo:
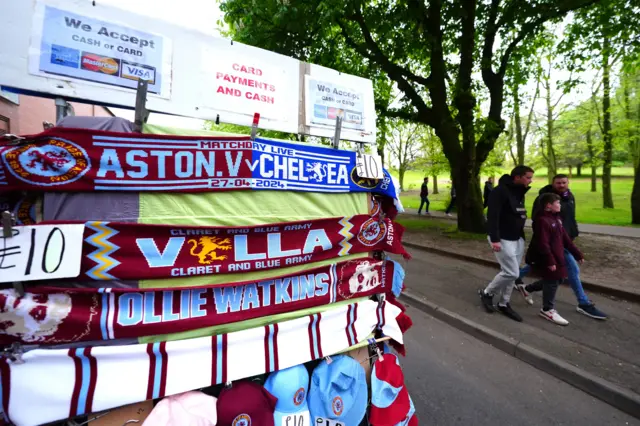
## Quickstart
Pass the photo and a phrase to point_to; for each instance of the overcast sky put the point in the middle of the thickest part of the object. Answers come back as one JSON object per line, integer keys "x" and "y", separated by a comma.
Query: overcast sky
{"x": 195, "y": 14}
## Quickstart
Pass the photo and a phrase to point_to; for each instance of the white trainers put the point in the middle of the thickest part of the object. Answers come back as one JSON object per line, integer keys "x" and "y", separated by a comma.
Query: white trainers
{"x": 553, "y": 316}
{"x": 523, "y": 291}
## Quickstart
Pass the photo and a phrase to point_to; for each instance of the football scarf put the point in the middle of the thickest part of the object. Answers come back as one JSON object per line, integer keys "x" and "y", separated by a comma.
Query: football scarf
{"x": 66, "y": 159}
{"x": 130, "y": 251}
{"x": 65, "y": 383}
{"x": 54, "y": 315}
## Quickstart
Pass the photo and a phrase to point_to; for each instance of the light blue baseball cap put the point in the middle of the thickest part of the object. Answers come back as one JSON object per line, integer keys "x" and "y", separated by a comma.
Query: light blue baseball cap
{"x": 338, "y": 391}
{"x": 291, "y": 387}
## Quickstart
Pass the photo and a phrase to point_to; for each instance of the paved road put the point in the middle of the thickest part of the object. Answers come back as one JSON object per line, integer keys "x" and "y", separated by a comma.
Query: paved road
{"x": 455, "y": 379}
{"x": 619, "y": 231}
{"x": 607, "y": 349}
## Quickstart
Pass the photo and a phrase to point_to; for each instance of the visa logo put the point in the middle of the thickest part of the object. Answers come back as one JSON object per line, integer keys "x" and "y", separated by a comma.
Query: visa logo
{"x": 136, "y": 72}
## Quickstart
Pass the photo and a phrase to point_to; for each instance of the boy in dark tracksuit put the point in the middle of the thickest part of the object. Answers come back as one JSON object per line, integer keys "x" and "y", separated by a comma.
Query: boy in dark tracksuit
{"x": 546, "y": 254}
{"x": 424, "y": 196}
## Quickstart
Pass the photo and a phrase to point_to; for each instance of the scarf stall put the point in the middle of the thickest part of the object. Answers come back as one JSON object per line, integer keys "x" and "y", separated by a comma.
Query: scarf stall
{"x": 208, "y": 269}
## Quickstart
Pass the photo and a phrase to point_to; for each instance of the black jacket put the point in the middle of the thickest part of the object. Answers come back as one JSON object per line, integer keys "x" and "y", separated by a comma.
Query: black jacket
{"x": 488, "y": 187}
{"x": 424, "y": 190}
{"x": 506, "y": 215}
{"x": 568, "y": 212}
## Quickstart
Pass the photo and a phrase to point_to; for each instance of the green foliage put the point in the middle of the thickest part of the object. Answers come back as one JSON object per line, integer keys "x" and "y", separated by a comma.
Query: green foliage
{"x": 444, "y": 58}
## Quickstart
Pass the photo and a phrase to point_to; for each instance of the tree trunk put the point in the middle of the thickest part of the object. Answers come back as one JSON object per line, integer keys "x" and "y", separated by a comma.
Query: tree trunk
{"x": 382, "y": 138}
{"x": 570, "y": 172}
{"x": 635, "y": 196}
{"x": 469, "y": 200}
{"x": 579, "y": 170}
{"x": 551, "y": 154}
{"x": 607, "y": 195}
{"x": 592, "y": 160}
{"x": 401, "y": 172}
{"x": 434, "y": 179}
{"x": 634, "y": 141}
{"x": 518, "y": 119}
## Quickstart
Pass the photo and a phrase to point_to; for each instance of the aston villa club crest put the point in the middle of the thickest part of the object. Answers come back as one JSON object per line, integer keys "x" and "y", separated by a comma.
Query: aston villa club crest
{"x": 242, "y": 420}
{"x": 58, "y": 162}
{"x": 372, "y": 232}
{"x": 337, "y": 406}
{"x": 298, "y": 398}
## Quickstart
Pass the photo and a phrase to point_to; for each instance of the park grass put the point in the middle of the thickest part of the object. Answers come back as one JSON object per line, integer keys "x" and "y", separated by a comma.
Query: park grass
{"x": 443, "y": 227}
{"x": 589, "y": 204}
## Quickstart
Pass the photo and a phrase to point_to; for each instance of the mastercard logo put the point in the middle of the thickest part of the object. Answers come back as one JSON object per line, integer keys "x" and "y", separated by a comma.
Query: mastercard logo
{"x": 98, "y": 63}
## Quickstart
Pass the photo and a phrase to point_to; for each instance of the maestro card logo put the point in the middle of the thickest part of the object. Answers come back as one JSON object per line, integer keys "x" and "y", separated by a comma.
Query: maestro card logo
{"x": 100, "y": 64}
{"x": 57, "y": 162}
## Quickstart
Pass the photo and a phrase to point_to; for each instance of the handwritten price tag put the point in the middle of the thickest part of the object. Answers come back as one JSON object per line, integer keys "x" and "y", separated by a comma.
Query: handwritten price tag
{"x": 369, "y": 166}
{"x": 297, "y": 419}
{"x": 321, "y": 421}
{"x": 41, "y": 252}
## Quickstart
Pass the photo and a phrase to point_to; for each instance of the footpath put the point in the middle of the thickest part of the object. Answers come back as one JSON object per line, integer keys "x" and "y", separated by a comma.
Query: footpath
{"x": 599, "y": 357}
{"x": 618, "y": 231}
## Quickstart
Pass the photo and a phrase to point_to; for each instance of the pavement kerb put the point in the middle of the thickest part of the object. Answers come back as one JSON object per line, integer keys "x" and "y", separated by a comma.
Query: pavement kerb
{"x": 614, "y": 395}
{"x": 630, "y": 295}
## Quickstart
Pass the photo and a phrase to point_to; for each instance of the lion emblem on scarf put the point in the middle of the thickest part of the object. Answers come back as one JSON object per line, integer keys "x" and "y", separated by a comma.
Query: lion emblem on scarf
{"x": 33, "y": 317}
{"x": 318, "y": 170}
{"x": 208, "y": 248}
{"x": 365, "y": 278}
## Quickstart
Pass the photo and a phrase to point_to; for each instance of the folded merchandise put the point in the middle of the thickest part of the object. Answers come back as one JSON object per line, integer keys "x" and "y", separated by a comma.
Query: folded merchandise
{"x": 338, "y": 392}
{"x": 390, "y": 401}
{"x": 78, "y": 381}
{"x": 67, "y": 159}
{"x": 246, "y": 403}
{"x": 192, "y": 408}
{"x": 291, "y": 387}
{"x": 49, "y": 315}
{"x": 131, "y": 251}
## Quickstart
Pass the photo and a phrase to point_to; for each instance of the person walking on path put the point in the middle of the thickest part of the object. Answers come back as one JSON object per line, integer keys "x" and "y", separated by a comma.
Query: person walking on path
{"x": 453, "y": 200}
{"x": 424, "y": 196}
{"x": 546, "y": 254}
{"x": 488, "y": 187}
{"x": 506, "y": 219}
{"x": 560, "y": 186}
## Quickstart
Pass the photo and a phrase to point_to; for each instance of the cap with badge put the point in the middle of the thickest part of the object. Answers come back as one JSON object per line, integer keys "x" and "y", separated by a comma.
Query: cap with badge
{"x": 338, "y": 392}
{"x": 246, "y": 403}
{"x": 189, "y": 408}
{"x": 390, "y": 401}
{"x": 291, "y": 387}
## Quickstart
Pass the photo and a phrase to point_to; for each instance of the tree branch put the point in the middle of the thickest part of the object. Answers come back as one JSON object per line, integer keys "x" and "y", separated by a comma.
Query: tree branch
{"x": 529, "y": 28}
{"x": 393, "y": 71}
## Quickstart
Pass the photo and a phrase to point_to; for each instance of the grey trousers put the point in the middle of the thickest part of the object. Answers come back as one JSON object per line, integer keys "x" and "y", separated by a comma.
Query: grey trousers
{"x": 509, "y": 258}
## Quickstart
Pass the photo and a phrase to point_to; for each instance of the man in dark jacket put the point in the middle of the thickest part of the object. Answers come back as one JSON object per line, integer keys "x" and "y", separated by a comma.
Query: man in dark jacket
{"x": 424, "y": 196}
{"x": 560, "y": 186}
{"x": 505, "y": 220}
{"x": 452, "y": 203}
{"x": 488, "y": 187}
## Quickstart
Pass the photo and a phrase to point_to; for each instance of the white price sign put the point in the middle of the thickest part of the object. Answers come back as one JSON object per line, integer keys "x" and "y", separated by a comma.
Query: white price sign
{"x": 296, "y": 419}
{"x": 41, "y": 252}
{"x": 321, "y": 421}
{"x": 369, "y": 166}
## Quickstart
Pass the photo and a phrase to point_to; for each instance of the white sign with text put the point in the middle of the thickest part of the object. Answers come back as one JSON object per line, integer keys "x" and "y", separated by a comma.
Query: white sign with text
{"x": 79, "y": 46}
{"x": 41, "y": 252}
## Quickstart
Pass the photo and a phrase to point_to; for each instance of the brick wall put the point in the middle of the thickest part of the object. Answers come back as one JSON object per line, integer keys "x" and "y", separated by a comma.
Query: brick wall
{"x": 27, "y": 117}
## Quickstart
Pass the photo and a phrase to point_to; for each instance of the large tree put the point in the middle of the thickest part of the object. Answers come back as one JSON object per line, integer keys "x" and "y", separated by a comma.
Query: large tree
{"x": 441, "y": 55}
{"x": 598, "y": 38}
